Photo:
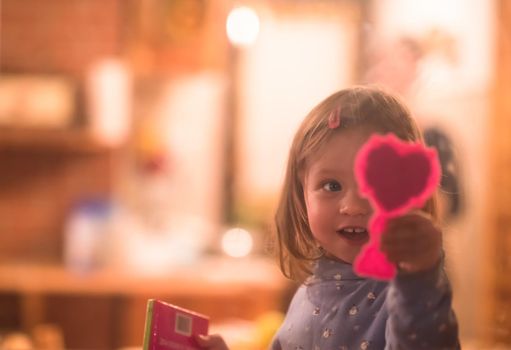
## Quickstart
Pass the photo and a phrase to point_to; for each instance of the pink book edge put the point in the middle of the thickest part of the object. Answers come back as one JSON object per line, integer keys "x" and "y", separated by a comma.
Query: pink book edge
{"x": 149, "y": 326}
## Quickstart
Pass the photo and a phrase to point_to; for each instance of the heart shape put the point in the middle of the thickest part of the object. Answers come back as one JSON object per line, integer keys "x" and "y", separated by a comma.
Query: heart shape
{"x": 396, "y": 175}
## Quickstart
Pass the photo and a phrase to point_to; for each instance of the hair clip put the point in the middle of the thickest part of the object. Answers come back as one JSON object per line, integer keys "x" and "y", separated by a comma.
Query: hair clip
{"x": 334, "y": 119}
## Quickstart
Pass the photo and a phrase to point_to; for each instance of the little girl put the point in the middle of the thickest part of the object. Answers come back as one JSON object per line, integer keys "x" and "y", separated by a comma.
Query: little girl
{"x": 321, "y": 225}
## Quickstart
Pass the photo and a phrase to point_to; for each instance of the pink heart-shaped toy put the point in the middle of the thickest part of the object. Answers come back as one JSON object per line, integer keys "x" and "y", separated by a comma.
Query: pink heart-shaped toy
{"x": 395, "y": 176}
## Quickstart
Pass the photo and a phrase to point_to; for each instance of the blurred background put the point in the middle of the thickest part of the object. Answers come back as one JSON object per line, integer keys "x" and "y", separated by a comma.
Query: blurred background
{"x": 143, "y": 143}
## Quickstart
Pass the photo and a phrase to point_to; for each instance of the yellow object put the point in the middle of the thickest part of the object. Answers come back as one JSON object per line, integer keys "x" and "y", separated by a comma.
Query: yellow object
{"x": 266, "y": 326}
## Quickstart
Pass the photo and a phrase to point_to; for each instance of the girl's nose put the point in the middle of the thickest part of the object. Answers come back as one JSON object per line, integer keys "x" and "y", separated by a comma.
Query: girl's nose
{"x": 353, "y": 204}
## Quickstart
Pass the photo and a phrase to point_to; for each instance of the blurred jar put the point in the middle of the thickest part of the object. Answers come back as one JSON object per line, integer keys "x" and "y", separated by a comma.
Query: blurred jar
{"x": 85, "y": 233}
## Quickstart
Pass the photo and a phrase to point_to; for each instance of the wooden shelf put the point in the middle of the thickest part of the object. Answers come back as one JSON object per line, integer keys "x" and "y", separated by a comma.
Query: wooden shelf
{"x": 35, "y": 140}
{"x": 229, "y": 277}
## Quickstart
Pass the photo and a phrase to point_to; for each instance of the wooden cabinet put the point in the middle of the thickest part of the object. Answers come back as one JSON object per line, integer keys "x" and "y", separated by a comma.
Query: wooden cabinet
{"x": 105, "y": 309}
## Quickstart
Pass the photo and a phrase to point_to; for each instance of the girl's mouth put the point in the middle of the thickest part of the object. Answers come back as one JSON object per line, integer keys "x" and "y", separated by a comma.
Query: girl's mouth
{"x": 354, "y": 235}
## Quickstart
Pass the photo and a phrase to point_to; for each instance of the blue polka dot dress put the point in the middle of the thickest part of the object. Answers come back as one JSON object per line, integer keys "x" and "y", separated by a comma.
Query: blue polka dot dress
{"x": 337, "y": 310}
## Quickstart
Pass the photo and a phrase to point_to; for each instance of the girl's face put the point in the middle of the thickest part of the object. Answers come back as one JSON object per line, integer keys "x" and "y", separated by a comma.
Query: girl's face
{"x": 338, "y": 216}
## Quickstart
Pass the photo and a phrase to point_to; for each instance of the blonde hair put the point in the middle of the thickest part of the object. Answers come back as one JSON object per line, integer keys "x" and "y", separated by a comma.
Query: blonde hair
{"x": 358, "y": 106}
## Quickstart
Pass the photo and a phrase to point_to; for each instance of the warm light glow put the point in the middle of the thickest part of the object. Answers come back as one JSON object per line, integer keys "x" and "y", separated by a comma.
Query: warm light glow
{"x": 242, "y": 26}
{"x": 237, "y": 242}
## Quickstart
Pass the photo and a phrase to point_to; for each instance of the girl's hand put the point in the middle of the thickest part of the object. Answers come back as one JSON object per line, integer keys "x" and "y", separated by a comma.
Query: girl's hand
{"x": 211, "y": 342}
{"x": 413, "y": 242}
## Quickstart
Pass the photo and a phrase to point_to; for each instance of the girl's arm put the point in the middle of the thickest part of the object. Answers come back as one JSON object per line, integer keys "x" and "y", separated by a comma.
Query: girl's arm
{"x": 420, "y": 297}
{"x": 420, "y": 312}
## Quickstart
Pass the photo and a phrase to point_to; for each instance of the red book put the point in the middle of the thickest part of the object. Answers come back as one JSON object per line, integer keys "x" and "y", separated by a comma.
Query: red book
{"x": 169, "y": 327}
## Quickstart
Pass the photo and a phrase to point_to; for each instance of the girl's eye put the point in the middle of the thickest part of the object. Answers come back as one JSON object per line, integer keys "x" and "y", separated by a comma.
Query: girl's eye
{"x": 332, "y": 186}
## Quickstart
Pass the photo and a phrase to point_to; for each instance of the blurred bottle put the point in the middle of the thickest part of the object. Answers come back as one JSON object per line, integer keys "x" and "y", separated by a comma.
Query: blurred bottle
{"x": 48, "y": 337}
{"x": 85, "y": 234}
{"x": 109, "y": 97}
